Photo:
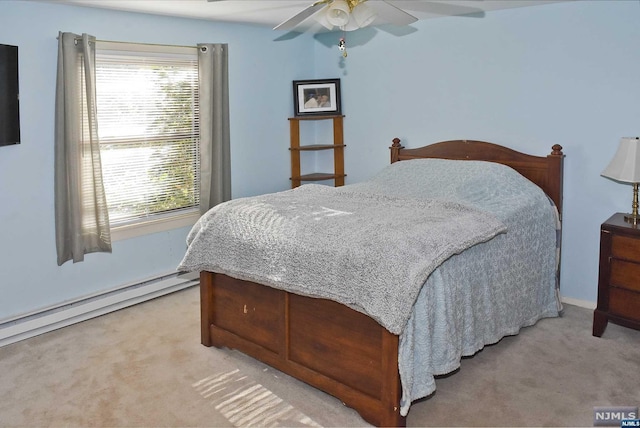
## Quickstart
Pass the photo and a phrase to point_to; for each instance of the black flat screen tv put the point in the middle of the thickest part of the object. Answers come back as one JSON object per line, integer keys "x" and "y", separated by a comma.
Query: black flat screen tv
{"x": 9, "y": 96}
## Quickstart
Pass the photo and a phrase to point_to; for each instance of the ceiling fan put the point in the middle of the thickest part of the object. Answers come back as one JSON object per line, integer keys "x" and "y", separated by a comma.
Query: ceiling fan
{"x": 349, "y": 15}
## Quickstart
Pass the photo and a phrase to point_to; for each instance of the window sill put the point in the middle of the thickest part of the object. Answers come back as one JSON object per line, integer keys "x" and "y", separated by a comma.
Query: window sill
{"x": 147, "y": 227}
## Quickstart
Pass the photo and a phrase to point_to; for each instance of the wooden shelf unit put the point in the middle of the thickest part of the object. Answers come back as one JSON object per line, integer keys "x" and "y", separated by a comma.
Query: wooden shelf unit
{"x": 338, "y": 146}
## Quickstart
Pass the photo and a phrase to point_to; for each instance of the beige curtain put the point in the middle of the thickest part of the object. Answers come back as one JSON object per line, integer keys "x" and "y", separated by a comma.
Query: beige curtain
{"x": 81, "y": 215}
{"x": 215, "y": 157}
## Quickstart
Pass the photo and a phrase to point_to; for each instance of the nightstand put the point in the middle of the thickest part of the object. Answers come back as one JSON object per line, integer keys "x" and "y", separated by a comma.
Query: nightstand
{"x": 619, "y": 277}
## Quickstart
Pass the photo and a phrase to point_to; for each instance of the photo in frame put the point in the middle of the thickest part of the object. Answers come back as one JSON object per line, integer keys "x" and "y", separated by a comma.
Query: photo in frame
{"x": 317, "y": 97}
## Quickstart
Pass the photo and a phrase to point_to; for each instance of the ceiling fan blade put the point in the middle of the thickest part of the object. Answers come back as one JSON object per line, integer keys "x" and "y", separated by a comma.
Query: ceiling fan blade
{"x": 442, "y": 8}
{"x": 391, "y": 14}
{"x": 296, "y": 19}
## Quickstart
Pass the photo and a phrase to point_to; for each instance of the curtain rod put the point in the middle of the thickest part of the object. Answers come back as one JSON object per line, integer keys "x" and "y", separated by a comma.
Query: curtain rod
{"x": 133, "y": 43}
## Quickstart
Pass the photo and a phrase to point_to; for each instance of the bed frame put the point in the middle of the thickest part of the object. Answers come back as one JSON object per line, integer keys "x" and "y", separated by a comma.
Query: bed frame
{"x": 328, "y": 345}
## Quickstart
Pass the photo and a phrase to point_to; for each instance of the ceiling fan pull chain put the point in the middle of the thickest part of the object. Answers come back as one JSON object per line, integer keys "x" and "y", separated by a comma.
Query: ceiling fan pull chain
{"x": 342, "y": 45}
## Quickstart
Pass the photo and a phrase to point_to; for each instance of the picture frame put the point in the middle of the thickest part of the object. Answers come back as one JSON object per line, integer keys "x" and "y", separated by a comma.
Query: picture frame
{"x": 318, "y": 97}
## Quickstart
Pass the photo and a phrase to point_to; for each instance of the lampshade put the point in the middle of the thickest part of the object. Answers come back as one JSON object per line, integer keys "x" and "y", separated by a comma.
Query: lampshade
{"x": 625, "y": 165}
{"x": 338, "y": 13}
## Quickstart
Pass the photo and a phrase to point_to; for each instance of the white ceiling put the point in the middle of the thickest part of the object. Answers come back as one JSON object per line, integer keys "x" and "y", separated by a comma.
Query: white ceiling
{"x": 270, "y": 13}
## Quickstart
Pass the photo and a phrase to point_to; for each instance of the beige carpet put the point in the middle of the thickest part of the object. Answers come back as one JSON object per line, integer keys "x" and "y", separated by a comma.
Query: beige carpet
{"x": 144, "y": 366}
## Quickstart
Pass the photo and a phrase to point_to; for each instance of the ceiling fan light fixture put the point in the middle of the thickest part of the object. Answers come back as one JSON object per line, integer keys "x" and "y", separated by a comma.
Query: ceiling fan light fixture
{"x": 338, "y": 13}
{"x": 351, "y": 25}
{"x": 321, "y": 18}
{"x": 363, "y": 14}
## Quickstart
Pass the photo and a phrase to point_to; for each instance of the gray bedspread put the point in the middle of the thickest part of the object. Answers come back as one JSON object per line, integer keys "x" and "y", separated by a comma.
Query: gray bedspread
{"x": 473, "y": 298}
{"x": 370, "y": 251}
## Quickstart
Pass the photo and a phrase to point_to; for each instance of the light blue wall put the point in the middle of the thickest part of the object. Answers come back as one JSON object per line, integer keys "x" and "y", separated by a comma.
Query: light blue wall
{"x": 261, "y": 71}
{"x": 527, "y": 78}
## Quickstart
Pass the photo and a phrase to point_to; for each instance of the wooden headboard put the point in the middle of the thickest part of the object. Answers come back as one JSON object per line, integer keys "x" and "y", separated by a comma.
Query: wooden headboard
{"x": 545, "y": 171}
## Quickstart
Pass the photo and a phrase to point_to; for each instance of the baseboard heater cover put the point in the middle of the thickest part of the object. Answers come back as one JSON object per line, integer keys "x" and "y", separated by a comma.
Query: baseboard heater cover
{"x": 52, "y": 318}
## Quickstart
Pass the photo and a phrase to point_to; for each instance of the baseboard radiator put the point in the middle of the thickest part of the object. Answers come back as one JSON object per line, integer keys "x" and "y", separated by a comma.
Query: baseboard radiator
{"x": 54, "y": 317}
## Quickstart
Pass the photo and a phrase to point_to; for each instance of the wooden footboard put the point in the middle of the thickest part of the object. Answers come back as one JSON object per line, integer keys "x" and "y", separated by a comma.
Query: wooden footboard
{"x": 325, "y": 344}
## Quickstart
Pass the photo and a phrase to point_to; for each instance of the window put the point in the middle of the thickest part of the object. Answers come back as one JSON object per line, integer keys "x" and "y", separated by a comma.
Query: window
{"x": 148, "y": 126}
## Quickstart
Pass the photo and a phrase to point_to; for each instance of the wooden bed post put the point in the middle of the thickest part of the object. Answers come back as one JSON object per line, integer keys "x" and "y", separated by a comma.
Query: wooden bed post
{"x": 206, "y": 308}
{"x": 395, "y": 149}
{"x": 555, "y": 174}
{"x": 391, "y": 386}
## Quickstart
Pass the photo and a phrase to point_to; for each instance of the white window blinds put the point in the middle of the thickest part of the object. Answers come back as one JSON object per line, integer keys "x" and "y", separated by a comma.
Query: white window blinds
{"x": 147, "y": 104}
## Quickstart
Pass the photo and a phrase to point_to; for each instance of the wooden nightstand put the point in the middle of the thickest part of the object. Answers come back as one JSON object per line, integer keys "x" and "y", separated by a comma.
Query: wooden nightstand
{"x": 619, "y": 278}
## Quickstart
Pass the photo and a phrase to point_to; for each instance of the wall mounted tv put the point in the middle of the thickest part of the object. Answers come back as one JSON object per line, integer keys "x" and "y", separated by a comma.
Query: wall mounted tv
{"x": 9, "y": 96}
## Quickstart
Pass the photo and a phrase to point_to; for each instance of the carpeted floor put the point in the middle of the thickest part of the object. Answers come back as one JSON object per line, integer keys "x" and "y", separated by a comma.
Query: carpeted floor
{"x": 144, "y": 366}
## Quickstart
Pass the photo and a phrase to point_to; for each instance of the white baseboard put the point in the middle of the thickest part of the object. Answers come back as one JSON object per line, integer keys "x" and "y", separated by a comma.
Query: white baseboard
{"x": 54, "y": 317}
{"x": 577, "y": 302}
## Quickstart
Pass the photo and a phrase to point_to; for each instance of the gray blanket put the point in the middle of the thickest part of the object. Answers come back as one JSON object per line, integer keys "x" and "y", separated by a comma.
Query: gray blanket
{"x": 369, "y": 251}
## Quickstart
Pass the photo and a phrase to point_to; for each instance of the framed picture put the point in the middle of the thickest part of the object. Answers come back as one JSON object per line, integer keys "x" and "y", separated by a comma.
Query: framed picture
{"x": 316, "y": 97}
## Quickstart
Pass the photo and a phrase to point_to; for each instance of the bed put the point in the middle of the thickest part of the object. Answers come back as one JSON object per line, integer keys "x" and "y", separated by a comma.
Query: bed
{"x": 378, "y": 362}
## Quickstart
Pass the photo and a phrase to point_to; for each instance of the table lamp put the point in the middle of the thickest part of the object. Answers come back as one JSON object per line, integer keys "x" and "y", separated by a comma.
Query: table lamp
{"x": 625, "y": 167}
